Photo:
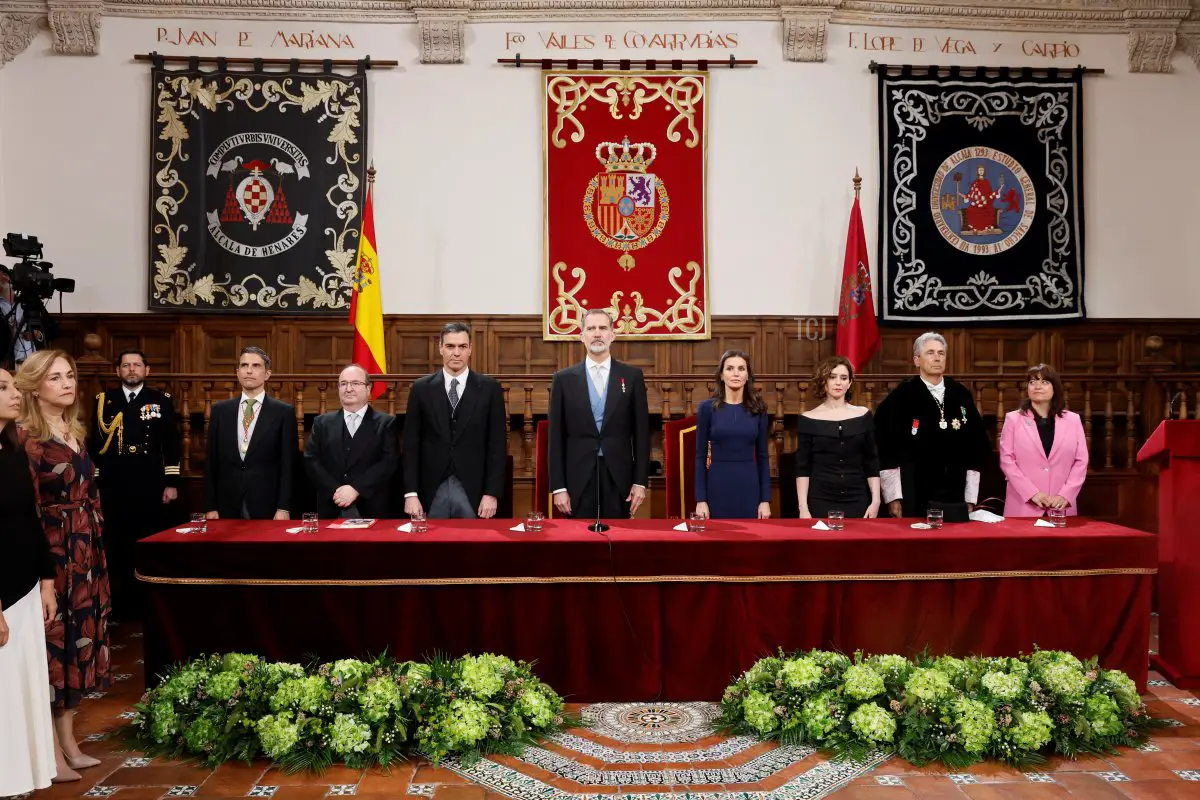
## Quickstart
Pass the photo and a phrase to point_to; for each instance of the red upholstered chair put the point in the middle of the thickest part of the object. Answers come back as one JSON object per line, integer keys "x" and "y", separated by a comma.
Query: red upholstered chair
{"x": 541, "y": 470}
{"x": 679, "y": 457}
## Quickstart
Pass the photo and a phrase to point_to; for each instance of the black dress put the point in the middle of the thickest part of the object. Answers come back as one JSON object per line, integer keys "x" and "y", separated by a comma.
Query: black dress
{"x": 24, "y": 550}
{"x": 837, "y": 456}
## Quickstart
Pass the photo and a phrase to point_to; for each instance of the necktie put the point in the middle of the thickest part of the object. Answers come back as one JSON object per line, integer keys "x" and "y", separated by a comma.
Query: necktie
{"x": 454, "y": 393}
{"x": 132, "y": 397}
{"x": 598, "y": 378}
{"x": 248, "y": 416}
{"x": 352, "y": 424}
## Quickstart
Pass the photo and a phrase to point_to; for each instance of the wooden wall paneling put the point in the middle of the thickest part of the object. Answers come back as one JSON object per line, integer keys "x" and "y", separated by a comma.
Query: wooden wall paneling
{"x": 999, "y": 352}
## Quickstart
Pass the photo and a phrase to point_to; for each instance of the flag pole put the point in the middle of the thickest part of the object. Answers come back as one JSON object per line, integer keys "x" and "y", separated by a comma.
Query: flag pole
{"x": 857, "y": 183}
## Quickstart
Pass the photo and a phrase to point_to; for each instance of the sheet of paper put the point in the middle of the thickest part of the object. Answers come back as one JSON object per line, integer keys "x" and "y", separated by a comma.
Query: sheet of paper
{"x": 1041, "y": 523}
{"x": 680, "y": 527}
{"x": 518, "y": 528}
{"x": 406, "y": 527}
{"x": 821, "y": 526}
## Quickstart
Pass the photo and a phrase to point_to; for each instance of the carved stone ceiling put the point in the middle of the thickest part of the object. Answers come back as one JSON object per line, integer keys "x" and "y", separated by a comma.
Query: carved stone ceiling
{"x": 1155, "y": 28}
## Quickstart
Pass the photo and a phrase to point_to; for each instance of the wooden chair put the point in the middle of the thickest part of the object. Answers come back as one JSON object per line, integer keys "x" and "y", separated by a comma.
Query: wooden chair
{"x": 679, "y": 468}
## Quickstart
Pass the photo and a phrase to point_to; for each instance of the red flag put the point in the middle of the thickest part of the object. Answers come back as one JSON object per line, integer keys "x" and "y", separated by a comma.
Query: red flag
{"x": 857, "y": 331}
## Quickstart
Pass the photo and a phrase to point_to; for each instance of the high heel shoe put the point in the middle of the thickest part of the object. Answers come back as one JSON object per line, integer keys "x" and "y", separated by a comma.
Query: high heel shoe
{"x": 82, "y": 761}
{"x": 66, "y": 775}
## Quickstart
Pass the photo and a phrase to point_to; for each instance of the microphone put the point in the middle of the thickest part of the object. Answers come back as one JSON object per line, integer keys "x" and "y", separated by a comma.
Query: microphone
{"x": 598, "y": 526}
{"x": 1171, "y": 405}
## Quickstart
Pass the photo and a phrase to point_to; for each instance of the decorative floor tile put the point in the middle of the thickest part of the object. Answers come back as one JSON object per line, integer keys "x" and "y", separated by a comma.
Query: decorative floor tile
{"x": 753, "y": 771}
{"x": 342, "y": 789}
{"x": 1039, "y": 777}
{"x": 262, "y": 791}
{"x": 889, "y": 780}
{"x": 423, "y": 789}
{"x": 1167, "y": 684}
{"x": 93, "y": 695}
{"x": 124, "y": 676}
{"x": 137, "y": 635}
{"x": 116, "y": 647}
{"x": 1172, "y": 723}
{"x": 181, "y": 791}
{"x": 95, "y": 737}
{"x": 136, "y": 762}
{"x": 1149, "y": 747}
{"x": 1112, "y": 777}
{"x": 140, "y": 661}
{"x": 652, "y": 723}
{"x": 127, "y": 715}
{"x": 610, "y": 755}
{"x": 962, "y": 778}
{"x": 1188, "y": 774}
{"x": 1187, "y": 701}
{"x": 100, "y": 791}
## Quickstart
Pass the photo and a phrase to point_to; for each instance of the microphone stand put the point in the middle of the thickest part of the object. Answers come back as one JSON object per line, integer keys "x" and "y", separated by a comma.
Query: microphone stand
{"x": 597, "y": 526}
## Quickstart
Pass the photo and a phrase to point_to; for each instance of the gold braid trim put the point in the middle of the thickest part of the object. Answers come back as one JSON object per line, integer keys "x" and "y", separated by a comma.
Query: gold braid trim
{"x": 117, "y": 426}
{"x": 481, "y": 581}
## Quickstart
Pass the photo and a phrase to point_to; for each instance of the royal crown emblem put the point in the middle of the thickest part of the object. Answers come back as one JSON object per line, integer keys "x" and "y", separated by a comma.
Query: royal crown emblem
{"x": 626, "y": 207}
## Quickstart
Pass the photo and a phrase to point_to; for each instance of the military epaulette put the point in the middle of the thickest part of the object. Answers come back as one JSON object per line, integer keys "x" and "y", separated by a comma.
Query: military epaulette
{"x": 171, "y": 470}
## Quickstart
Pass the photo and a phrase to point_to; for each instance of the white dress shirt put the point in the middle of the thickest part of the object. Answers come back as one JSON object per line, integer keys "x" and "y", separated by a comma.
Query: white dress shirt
{"x": 131, "y": 393}
{"x": 462, "y": 382}
{"x": 245, "y": 436}
{"x": 353, "y": 419}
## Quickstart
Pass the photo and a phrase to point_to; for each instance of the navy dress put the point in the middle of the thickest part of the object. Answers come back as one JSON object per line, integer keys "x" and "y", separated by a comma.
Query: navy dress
{"x": 837, "y": 456}
{"x": 739, "y": 476}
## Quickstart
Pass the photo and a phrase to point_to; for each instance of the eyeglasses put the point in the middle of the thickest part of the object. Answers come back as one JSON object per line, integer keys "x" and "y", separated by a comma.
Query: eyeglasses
{"x": 351, "y": 385}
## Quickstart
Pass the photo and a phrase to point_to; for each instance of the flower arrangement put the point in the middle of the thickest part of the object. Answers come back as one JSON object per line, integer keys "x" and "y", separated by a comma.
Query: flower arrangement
{"x": 361, "y": 713}
{"x": 957, "y": 711}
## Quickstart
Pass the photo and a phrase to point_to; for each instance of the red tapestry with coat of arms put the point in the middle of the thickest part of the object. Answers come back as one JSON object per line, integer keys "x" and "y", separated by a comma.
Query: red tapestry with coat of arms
{"x": 625, "y": 203}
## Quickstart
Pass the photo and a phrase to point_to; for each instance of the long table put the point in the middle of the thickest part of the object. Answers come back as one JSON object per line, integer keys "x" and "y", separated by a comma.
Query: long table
{"x": 646, "y": 612}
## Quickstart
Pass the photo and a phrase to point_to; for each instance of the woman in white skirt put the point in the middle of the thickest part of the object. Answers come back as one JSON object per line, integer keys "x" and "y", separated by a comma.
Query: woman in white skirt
{"x": 28, "y": 755}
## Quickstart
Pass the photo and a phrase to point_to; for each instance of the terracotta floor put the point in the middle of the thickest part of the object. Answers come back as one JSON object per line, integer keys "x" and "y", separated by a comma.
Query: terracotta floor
{"x": 710, "y": 768}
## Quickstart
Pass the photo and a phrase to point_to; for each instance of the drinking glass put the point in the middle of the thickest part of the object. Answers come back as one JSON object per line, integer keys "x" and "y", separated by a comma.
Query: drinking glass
{"x": 1058, "y": 517}
{"x": 310, "y": 524}
{"x": 199, "y": 523}
{"x": 934, "y": 517}
{"x": 836, "y": 520}
{"x": 420, "y": 523}
{"x": 696, "y": 522}
{"x": 534, "y": 521}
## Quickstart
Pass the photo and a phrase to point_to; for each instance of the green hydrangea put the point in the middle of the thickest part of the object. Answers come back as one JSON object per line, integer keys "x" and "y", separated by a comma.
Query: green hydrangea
{"x": 928, "y": 685}
{"x": 164, "y": 722}
{"x": 534, "y": 705}
{"x": 760, "y": 712}
{"x": 467, "y": 723}
{"x": 860, "y": 682}
{"x": 1031, "y": 730}
{"x": 834, "y": 662}
{"x": 237, "y": 662}
{"x": 279, "y": 672}
{"x": 762, "y": 674}
{"x": 378, "y": 698}
{"x": 953, "y": 668}
{"x": 976, "y": 723}
{"x": 1044, "y": 658}
{"x": 871, "y": 722}
{"x": 1124, "y": 689}
{"x": 350, "y": 670}
{"x": 1063, "y": 679}
{"x": 1103, "y": 715}
{"x": 347, "y": 735}
{"x": 306, "y": 694}
{"x": 1003, "y": 686}
{"x": 817, "y": 715}
{"x": 891, "y": 666}
{"x": 800, "y": 673}
{"x": 418, "y": 671}
{"x": 181, "y": 688}
{"x": 483, "y": 675}
{"x": 277, "y": 734}
{"x": 222, "y": 685}
{"x": 204, "y": 731}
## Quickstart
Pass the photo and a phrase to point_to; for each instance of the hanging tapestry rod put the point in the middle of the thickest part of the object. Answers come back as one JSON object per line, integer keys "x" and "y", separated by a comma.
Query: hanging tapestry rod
{"x": 918, "y": 69}
{"x": 258, "y": 63}
{"x": 625, "y": 63}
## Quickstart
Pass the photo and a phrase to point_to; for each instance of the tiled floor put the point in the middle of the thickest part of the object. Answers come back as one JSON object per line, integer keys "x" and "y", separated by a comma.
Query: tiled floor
{"x": 587, "y": 764}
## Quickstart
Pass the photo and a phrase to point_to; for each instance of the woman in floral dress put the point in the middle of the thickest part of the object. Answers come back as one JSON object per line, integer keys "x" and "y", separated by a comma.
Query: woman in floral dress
{"x": 52, "y": 433}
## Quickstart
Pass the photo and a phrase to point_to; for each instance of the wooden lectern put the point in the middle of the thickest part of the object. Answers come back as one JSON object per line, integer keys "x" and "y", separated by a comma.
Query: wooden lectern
{"x": 1176, "y": 445}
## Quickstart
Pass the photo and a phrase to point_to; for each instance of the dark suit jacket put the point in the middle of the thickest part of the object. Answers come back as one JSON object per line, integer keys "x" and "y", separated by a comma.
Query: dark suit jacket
{"x": 367, "y": 464}
{"x": 574, "y": 439}
{"x": 264, "y": 479}
{"x": 475, "y": 444}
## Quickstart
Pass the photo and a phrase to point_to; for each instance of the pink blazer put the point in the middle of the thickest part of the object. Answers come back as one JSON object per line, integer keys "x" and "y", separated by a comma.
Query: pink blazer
{"x": 1029, "y": 470}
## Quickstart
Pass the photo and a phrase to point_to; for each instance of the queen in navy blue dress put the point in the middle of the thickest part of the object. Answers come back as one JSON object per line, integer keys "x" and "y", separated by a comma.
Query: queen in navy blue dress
{"x": 733, "y": 475}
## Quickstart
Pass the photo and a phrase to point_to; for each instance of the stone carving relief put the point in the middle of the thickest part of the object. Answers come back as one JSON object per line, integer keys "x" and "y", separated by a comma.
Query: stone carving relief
{"x": 16, "y": 32}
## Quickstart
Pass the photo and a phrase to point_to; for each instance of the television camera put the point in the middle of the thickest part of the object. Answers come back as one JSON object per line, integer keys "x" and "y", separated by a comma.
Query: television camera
{"x": 25, "y": 324}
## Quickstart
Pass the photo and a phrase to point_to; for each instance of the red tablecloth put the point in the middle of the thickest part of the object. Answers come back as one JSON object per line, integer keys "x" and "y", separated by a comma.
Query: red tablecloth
{"x": 644, "y": 611}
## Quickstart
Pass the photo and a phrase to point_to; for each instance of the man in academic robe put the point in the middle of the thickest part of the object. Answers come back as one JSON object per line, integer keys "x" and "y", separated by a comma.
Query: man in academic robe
{"x": 932, "y": 442}
{"x": 351, "y": 454}
{"x": 251, "y": 448}
{"x": 599, "y": 430}
{"x": 455, "y": 436}
{"x": 135, "y": 446}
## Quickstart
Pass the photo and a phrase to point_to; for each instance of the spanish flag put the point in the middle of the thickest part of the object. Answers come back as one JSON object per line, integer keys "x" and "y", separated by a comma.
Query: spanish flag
{"x": 366, "y": 302}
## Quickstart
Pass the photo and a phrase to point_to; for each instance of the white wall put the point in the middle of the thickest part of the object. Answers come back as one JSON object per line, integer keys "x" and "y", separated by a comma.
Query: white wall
{"x": 458, "y": 149}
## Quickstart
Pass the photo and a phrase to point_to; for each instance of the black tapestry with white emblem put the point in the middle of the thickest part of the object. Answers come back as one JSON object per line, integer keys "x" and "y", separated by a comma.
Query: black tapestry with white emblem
{"x": 981, "y": 200}
{"x": 257, "y": 183}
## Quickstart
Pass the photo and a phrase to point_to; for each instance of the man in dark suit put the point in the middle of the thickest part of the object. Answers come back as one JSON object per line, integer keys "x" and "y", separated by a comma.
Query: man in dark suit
{"x": 599, "y": 430}
{"x": 351, "y": 454}
{"x": 251, "y": 446}
{"x": 135, "y": 446}
{"x": 455, "y": 437}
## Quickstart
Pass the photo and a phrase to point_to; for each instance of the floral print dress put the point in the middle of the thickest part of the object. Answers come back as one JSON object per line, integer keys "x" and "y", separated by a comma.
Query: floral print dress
{"x": 69, "y": 502}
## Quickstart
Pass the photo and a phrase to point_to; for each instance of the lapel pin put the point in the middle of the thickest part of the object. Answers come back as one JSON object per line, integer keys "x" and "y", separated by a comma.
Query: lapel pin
{"x": 622, "y": 386}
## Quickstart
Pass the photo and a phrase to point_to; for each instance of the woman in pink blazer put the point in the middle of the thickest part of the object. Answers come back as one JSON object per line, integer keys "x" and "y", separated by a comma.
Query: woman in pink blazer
{"x": 1043, "y": 450}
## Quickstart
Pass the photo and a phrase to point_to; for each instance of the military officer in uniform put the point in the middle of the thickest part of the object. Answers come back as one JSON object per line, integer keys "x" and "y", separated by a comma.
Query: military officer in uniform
{"x": 135, "y": 445}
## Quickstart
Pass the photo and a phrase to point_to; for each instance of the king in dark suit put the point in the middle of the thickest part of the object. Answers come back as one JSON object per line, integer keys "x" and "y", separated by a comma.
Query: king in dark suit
{"x": 134, "y": 443}
{"x": 599, "y": 430}
{"x": 351, "y": 454}
{"x": 251, "y": 448}
{"x": 455, "y": 436}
